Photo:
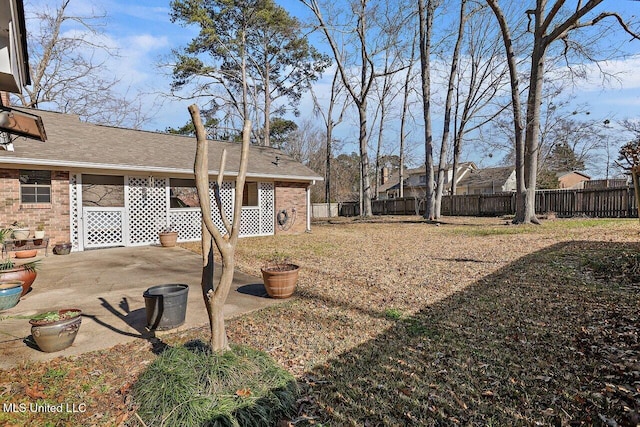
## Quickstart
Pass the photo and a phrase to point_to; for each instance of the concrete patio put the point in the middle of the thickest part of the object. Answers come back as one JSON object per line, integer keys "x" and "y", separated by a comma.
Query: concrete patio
{"x": 108, "y": 286}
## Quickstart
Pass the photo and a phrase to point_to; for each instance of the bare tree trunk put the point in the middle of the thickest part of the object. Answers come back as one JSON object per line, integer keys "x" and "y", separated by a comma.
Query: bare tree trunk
{"x": 517, "y": 110}
{"x": 426, "y": 12}
{"x": 405, "y": 109}
{"x": 216, "y": 295}
{"x": 447, "y": 112}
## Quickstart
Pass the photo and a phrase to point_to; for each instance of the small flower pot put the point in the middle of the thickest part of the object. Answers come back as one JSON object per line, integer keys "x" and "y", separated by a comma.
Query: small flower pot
{"x": 56, "y": 333}
{"x": 39, "y": 234}
{"x": 168, "y": 239}
{"x": 62, "y": 249}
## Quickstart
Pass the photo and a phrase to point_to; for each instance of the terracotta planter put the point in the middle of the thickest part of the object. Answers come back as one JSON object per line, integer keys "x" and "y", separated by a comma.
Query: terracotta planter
{"x": 27, "y": 276}
{"x": 28, "y": 253}
{"x": 280, "y": 281}
{"x": 168, "y": 239}
{"x": 56, "y": 335}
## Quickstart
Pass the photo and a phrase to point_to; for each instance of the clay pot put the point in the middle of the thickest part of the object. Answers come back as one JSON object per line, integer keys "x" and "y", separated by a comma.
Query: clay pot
{"x": 27, "y": 253}
{"x": 10, "y": 293}
{"x": 280, "y": 282}
{"x": 26, "y": 275}
{"x": 168, "y": 239}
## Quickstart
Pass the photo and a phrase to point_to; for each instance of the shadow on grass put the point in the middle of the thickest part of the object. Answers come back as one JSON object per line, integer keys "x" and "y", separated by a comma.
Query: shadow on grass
{"x": 551, "y": 339}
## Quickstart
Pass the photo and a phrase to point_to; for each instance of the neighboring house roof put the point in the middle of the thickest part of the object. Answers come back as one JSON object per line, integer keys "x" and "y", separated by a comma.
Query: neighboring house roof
{"x": 486, "y": 177}
{"x": 91, "y": 148}
{"x": 559, "y": 175}
{"x": 422, "y": 169}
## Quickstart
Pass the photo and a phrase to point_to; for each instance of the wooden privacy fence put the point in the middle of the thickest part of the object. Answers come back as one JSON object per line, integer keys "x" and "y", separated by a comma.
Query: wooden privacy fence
{"x": 601, "y": 203}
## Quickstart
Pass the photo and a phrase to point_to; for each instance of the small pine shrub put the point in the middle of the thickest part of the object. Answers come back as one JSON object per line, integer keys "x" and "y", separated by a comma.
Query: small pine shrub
{"x": 192, "y": 386}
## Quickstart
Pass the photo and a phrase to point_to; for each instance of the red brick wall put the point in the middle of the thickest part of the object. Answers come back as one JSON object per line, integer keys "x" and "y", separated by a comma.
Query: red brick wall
{"x": 54, "y": 215}
{"x": 289, "y": 196}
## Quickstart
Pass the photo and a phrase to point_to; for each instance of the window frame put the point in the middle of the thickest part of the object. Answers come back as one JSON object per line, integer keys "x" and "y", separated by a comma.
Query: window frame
{"x": 40, "y": 190}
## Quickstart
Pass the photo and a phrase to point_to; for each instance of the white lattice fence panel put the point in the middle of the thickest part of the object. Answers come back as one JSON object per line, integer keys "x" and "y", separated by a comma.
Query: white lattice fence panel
{"x": 250, "y": 222}
{"x": 266, "y": 202}
{"x": 103, "y": 227}
{"x": 226, "y": 197}
{"x": 187, "y": 223}
{"x": 74, "y": 210}
{"x": 147, "y": 204}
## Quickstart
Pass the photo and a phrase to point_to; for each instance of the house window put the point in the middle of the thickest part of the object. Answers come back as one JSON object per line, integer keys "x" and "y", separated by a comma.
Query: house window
{"x": 423, "y": 179}
{"x": 250, "y": 194}
{"x": 35, "y": 186}
{"x": 183, "y": 193}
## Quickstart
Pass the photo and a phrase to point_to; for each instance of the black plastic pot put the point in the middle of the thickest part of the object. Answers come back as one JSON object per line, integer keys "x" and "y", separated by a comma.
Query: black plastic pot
{"x": 166, "y": 306}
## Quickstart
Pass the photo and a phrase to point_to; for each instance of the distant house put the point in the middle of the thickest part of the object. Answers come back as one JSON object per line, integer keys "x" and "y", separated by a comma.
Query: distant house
{"x": 572, "y": 179}
{"x": 100, "y": 186}
{"x": 488, "y": 181}
{"x": 415, "y": 185}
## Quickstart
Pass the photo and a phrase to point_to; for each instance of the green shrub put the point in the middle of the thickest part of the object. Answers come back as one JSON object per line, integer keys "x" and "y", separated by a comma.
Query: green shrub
{"x": 192, "y": 386}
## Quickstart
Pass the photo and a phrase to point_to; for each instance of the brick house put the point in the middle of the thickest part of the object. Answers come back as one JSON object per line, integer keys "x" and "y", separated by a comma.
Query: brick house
{"x": 100, "y": 186}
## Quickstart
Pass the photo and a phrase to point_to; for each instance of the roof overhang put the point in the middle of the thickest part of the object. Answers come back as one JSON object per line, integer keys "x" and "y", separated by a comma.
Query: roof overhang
{"x": 22, "y": 124}
{"x": 14, "y": 57}
{"x": 109, "y": 169}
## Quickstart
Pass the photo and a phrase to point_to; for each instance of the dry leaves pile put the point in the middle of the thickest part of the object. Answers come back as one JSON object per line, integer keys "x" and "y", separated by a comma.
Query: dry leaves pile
{"x": 400, "y": 322}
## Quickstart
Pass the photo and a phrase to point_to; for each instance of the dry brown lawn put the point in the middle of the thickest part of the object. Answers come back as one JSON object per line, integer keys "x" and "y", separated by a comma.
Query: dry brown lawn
{"x": 400, "y": 322}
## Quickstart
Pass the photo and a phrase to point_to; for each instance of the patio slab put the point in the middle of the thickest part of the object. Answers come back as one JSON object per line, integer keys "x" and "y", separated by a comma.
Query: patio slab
{"x": 108, "y": 286}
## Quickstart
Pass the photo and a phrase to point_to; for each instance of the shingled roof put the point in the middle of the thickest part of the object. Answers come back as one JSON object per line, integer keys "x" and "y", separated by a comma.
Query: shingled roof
{"x": 487, "y": 176}
{"x": 88, "y": 148}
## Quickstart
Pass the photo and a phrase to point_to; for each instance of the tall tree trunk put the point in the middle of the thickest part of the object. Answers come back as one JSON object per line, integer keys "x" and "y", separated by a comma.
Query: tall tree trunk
{"x": 517, "y": 110}
{"x": 447, "y": 112}
{"x": 426, "y": 12}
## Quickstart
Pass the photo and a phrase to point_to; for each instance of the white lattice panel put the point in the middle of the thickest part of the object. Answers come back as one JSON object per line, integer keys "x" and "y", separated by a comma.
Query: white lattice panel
{"x": 250, "y": 221}
{"x": 266, "y": 199}
{"x": 227, "y": 193}
{"x": 147, "y": 203}
{"x": 103, "y": 227}
{"x": 187, "y": 222}
{"x": 74, "y": 210}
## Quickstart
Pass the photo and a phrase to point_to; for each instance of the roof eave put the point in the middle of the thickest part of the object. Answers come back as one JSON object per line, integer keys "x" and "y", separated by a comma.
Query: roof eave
{"x": 144, "y": 169}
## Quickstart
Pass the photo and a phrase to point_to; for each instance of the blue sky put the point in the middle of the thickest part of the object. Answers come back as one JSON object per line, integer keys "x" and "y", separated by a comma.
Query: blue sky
{"x": 142, "y": 33}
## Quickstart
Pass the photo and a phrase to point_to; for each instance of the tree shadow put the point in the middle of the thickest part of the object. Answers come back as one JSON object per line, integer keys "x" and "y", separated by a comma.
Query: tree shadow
{"x": 551, "y": 339}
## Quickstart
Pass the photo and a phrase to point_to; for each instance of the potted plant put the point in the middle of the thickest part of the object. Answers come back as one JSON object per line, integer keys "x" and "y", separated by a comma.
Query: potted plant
{"x": 39, "y": 233}
{"x": 20, "y": 230}
{"x": 56, "y": 330}
{"x": 9, "y": 270}
{"x": 168, "y": 237}
{"x": 280, "y": 277}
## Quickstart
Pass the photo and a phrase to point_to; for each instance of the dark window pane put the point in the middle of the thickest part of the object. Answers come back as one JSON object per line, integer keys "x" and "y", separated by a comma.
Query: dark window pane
{"x": 28, "y": 198}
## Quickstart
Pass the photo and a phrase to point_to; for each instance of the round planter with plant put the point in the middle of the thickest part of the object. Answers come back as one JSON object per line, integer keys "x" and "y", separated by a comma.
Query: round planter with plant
{"x": 39, "y": 233}
{"x": 56, "y": 330}
{"x": 280, "y": 277}
{"x": 25, "y": 273}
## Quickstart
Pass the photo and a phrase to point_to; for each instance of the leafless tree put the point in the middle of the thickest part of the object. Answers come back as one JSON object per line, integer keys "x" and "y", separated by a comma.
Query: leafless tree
{"x": 546, "y": 26}
{"x": 426, "y": 12}
{"x": 464, "y": 15}
{"x": 360, "y": 20}
{"x": 335, "y": 100}
{"x": 67, "y": 77}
